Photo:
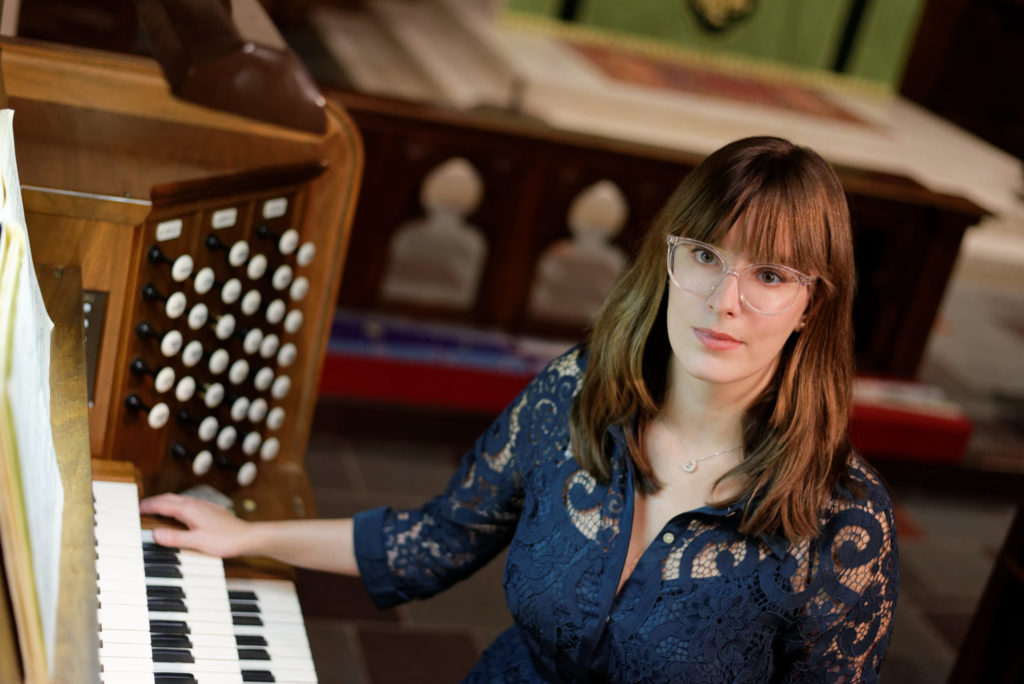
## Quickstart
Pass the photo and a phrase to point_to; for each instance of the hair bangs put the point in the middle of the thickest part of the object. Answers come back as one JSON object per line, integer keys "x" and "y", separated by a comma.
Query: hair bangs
{"x": 786, "y": 221}
{"x": 782, "y": 214}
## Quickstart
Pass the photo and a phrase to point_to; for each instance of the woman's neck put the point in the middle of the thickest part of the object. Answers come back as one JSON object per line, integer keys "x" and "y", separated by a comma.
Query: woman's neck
{"x": 709, "y": 414}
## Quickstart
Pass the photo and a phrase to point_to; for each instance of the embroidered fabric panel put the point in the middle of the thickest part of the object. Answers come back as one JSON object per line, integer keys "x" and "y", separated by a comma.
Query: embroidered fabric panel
{"x": 704, "y": 603}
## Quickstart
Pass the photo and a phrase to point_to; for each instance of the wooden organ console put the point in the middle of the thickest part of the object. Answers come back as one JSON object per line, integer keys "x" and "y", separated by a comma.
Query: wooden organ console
{"x": 209, "y": 248}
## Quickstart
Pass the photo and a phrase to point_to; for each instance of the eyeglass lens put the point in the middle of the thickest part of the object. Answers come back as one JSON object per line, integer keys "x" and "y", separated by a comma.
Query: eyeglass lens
{"x": 767, "y": 288}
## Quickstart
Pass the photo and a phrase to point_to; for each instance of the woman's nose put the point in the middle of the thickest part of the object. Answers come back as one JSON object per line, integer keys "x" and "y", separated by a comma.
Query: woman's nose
{"x": 725, "y": 298}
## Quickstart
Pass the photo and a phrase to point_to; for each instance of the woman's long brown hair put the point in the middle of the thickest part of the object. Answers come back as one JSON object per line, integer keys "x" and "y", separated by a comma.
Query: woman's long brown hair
{"x": 793, "y": 211}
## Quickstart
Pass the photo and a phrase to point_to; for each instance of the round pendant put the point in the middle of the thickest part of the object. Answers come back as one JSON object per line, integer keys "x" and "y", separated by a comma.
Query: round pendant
{"x": 690, "y": 466}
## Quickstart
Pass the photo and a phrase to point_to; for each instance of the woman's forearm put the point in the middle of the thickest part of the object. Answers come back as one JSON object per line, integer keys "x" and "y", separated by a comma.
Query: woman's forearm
{"x": 316, "y": 544}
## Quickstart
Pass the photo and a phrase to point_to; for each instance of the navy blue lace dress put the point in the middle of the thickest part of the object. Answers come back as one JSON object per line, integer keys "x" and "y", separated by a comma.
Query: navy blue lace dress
{"x": 704, "y": 604}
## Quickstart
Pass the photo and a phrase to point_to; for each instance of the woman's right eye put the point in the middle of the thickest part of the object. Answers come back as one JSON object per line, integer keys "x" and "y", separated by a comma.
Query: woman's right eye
{"x": 704, "y": 256}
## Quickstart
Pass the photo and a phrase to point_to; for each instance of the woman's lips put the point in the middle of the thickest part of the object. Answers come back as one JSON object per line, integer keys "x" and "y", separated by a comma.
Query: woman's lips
{"x": 716, "y": 341}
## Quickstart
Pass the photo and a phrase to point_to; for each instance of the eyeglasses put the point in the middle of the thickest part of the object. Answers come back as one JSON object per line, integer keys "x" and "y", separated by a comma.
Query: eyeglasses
{"x": 699, "y": 268}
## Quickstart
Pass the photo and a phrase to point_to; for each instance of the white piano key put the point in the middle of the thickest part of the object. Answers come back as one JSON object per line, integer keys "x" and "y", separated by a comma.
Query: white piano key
{"x": 122, "y": 598}
{"x": 140, "y": 667}
{"x": 112, "y": 541}
{"x": 122, "y": 617}
{"x": 125, "y": 678}
{"x": 115, "y": 517}
{"x": 109, "y": 489}
{"x": 115, "y": 585}
{"x": 116, "y": 649}
{"x": 226, "y": 671}
{"x": 113, "y": 514}
{"x": 198, "y": 613}
{"x": 124, "y": 636}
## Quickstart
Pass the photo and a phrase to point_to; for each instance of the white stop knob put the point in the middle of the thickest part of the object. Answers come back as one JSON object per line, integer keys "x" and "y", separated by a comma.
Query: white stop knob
{"x": 238, "y": 253}
{"x": 205, "y": 280}
{"x": 170, "y": 344}
{"x": 202, "y": 462}
{"x": 270, "y": 449}
{"x": 181, "y": 269}
{"x": 208, "y": 428}
{"x": 246, "y": 474}
{"x": 257, "y": 267}
{"x": 158, "y": 416}
{"x": 192, "y": 353}
{"x": 186, "y": 389}
{"x": 198, "y": 316}
{"x": 164, "y": 379}
{"x": 175, "y": 305}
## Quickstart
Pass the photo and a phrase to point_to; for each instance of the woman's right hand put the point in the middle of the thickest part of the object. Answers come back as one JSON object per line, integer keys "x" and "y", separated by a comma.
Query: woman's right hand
{"x": 318, "y": 544}
{"x": 212, "y": 529}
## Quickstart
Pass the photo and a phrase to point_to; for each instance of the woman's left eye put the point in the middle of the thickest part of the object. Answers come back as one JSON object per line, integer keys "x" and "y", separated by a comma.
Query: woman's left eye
{"x": 770, "y": 277}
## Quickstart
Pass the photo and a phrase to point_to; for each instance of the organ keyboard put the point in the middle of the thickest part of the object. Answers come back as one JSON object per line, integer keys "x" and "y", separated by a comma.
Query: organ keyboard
{"x": 167, "y": 615}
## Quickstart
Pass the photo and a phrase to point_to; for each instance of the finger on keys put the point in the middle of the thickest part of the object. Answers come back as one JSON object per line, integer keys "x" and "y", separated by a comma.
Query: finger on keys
{"x": 211, "y": 528}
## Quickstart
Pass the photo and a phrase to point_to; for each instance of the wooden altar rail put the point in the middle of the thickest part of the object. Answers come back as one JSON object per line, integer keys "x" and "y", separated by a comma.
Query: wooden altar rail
{"x": 906, "y": 237}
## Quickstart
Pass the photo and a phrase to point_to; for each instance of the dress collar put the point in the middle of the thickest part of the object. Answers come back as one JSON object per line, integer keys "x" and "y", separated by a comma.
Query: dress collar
{"x": 776, "y": 543}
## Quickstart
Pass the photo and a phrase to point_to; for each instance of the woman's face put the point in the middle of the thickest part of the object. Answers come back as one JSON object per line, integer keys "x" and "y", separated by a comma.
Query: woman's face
{"x": 718, "y": 339}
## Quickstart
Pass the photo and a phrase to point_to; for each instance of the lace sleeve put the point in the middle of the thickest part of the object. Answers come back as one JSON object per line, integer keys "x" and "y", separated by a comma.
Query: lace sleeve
{"x": 414, "y": 554}
{"x": 843, "y": 630}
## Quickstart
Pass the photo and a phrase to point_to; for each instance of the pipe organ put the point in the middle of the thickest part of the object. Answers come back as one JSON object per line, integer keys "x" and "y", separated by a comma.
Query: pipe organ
{"x": 210, "y": 248}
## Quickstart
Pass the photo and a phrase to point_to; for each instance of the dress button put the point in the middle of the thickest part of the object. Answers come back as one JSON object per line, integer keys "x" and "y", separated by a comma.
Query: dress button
{"x": 668, "y": 537}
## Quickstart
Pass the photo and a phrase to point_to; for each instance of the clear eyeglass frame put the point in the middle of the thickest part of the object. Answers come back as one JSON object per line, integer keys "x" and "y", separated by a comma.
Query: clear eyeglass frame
{"x": 675, "y": 241}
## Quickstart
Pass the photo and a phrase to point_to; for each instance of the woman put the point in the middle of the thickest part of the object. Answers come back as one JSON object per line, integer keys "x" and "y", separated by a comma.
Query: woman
{"x": 678, "y": 496}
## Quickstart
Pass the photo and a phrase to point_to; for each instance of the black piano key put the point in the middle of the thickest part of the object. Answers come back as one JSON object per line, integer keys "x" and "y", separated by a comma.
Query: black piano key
{"x": 244, "y": 607}
{"x": 241, "y": 595}
{"x": 257, "y": 676}
{"x": 168, "y": 627}
{"x": 152, "y": 546}
{"x": 170, "y": 641}
{"x": 161, "y": 557}
{"x": 174, "y": 678}
{"x": 172, "y": 655}
{"x": 164, "y": 591}
{"x": 253, "y": 654}
{"x": 250, "y": 640}
{"x": 246, "y": 620}
{"x": 168, "y": 605}
{"x": 163, "y": 571}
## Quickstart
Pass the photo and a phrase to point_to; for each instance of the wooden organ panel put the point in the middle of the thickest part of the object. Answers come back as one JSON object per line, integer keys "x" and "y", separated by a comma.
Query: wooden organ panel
{"x": 192, "y": 227}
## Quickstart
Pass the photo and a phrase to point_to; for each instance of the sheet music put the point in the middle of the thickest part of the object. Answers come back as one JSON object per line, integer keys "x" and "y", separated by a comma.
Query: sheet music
{"x": 25, "y": 380}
